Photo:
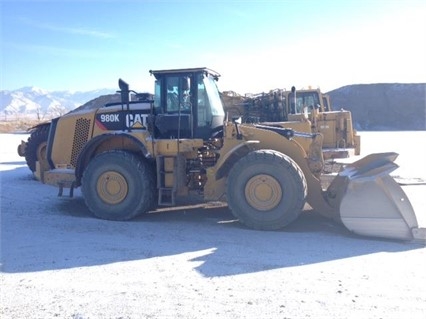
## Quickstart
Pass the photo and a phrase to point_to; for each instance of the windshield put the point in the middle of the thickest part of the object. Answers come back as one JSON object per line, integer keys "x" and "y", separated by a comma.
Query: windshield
{"x": 303, "y": 99}
{"x": 213, "y": 96}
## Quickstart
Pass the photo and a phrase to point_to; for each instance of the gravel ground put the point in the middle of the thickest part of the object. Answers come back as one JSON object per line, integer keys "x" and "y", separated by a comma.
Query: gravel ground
{"x": 193, "y": 262}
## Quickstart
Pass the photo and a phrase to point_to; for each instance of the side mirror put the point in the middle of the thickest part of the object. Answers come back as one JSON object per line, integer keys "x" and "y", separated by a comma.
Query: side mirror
{"x": 237, "y": 119}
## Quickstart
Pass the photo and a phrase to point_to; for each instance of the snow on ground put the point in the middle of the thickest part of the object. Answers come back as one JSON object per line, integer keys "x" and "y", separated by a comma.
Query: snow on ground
{"x": 60, "y": 262}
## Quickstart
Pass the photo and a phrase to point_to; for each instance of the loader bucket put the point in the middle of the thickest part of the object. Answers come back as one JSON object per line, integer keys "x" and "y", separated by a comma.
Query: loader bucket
{"x": 372, "y": 203}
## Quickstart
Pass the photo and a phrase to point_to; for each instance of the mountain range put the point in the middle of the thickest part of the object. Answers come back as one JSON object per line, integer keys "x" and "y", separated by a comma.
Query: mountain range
{"x": 382, "y": 106}
{"x": 36, "y": 103}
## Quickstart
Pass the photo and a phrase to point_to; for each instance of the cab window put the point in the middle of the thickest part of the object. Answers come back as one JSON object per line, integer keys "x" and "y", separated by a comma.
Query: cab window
{"x": 178, "y": 95}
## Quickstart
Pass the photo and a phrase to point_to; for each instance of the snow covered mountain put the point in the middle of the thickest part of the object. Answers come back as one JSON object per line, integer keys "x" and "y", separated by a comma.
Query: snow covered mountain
{"x": 36, "y": 103}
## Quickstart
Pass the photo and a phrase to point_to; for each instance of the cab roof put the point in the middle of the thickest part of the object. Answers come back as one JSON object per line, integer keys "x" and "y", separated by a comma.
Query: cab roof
{"x": 156, "y": 73}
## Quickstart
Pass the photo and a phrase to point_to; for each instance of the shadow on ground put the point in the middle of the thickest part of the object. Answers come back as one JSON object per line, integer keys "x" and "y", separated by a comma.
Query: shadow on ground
{"x": 40, "y": 231}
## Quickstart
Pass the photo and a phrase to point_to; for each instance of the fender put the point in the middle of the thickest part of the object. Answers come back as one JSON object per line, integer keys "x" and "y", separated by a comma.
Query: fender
{"x": 89, "y": 151}
{"x": 38, "y": 126}
{"x": 229, "y": 158}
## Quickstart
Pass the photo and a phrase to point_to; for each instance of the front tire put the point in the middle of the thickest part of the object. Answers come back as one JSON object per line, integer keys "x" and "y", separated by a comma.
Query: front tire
{"x": 118, "y": 185}
{"x": 266, "y": 190}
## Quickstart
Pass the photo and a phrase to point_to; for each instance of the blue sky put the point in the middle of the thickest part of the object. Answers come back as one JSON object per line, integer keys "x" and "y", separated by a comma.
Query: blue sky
{"x": 255, "y": 45}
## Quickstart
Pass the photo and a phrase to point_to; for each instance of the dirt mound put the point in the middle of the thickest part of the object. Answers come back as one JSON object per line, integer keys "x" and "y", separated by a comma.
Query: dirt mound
{"x": 384, "y": 106}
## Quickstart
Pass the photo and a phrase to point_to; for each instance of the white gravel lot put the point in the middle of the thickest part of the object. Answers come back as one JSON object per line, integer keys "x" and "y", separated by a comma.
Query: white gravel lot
{"x": 57, "y": 261}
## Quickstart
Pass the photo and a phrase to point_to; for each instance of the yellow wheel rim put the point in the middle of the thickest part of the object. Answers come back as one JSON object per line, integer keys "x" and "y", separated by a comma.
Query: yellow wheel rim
{"x": 263, "y": 192}
{"x": 112, "y": 187}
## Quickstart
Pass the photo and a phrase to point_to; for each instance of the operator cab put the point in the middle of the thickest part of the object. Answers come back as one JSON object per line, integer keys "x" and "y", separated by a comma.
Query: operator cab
{"x": 305, "y": 101}
{"x": 186, "y": 104}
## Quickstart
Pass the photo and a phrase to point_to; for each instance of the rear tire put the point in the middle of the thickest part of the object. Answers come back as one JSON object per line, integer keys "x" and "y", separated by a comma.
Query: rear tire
{"x": 118, "y": 185}
{"x": 36, "y": 147}
{"x": 266, "y": 190}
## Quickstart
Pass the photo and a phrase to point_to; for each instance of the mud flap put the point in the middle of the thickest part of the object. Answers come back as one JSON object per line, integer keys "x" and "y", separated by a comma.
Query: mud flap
{"x": 373, "y": 204}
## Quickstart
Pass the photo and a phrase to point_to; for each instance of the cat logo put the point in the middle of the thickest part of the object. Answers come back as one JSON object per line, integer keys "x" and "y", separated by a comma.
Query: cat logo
{"x": 136, "y": 121}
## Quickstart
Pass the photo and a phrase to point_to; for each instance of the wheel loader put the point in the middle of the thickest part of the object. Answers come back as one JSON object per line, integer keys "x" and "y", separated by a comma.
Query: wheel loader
{"x": 289, "y": 109}
{"x": 130, "y": 157}
{"x": 307, "y": 110}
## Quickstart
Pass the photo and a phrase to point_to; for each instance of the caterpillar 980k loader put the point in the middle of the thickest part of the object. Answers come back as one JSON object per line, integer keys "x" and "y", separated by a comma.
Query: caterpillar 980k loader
{"x": 132, "y": 156}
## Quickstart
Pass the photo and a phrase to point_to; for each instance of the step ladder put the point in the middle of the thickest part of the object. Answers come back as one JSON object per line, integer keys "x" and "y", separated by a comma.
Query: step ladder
{"x": 166, "y": 179}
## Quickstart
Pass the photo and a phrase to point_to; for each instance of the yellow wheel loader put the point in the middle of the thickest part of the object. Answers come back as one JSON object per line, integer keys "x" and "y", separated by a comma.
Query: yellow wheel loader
{"x": 132, "y": 156}
{"x": 307, "y": 110}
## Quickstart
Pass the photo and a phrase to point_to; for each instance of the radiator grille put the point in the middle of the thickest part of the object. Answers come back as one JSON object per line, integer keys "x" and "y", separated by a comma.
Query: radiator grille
{"x": 81, "y": 135}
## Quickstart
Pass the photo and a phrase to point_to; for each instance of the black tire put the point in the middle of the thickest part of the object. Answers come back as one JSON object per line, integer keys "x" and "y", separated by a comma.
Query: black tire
{"x": 266, "y": 190}
{"x": 36, "y": 146}
{"x": 118, "y": 185}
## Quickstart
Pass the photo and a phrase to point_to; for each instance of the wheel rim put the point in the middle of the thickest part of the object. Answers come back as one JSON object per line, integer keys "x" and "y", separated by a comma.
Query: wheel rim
{"x": 112, "y": 187}
{"x": 263, "y": 192}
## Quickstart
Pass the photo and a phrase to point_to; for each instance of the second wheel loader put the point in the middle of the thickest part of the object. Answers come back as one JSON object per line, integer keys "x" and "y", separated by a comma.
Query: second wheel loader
{"x": 132, "y": 156}
{"x": 307, "y": 110}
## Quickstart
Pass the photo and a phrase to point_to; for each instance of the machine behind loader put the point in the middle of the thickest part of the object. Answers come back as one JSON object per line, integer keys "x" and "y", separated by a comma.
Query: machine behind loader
{"x": 132, "y": 156}
{"x": 307, "y": 110}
